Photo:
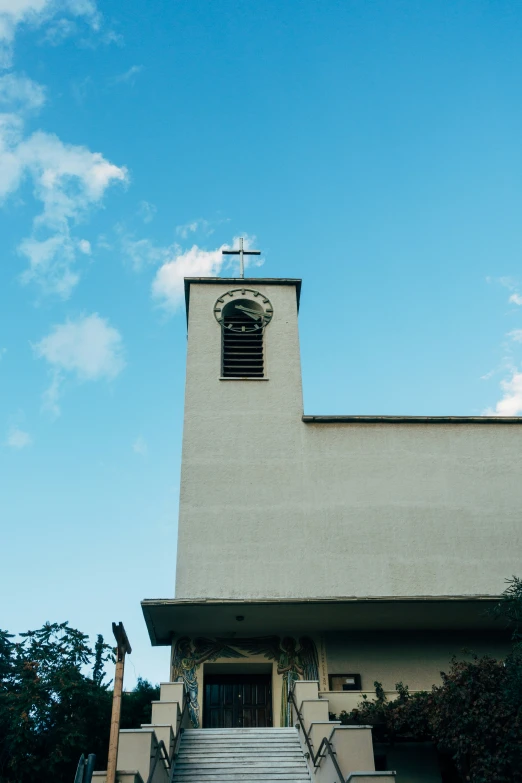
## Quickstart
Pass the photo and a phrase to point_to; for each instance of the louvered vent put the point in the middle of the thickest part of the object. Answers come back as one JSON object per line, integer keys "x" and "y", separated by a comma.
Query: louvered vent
{"x": 242, "y": 347}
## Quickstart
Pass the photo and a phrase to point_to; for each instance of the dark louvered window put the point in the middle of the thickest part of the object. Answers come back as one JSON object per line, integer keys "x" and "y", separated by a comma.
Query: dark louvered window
{"x": 242, "y": 345}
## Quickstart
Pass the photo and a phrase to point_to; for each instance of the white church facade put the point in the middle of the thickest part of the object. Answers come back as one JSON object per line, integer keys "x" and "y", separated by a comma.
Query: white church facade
{"x": 318, "y": 554}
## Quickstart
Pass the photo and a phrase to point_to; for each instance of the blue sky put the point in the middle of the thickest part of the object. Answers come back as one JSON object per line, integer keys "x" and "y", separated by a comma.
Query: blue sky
{"x": 371, "y": 148}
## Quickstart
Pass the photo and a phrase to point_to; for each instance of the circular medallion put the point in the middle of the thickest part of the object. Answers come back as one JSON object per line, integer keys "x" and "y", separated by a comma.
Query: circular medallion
{"x": 243, "y": 310}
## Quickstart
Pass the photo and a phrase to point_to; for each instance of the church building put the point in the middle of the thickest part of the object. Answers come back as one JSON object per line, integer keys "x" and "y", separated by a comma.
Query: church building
{"x": 320, "y": 554}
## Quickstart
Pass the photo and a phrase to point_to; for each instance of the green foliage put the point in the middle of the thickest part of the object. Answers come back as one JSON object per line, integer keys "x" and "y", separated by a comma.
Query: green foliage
{"x": 509, "y": 608}
{"x": 136, "y": 705}
{"x": 51, "y": 711}
{"x": 474, "y": 716}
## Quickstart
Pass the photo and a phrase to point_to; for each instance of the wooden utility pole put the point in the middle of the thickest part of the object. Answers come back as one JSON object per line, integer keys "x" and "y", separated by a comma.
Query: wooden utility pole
{"x": 123, "y": 647}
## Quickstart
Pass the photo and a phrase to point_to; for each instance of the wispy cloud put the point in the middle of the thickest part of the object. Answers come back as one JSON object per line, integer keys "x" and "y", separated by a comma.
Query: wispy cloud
{"x": 200, "y": 225}
{"x": 143, "y": 252}
{"x": 147, "y": 211}
{"x": 19, "y": 93}
{"x": 68, "y": 181}
{"x": 190, "y": 228}
{"x": 515, "y": 298}
{"x": 18, "y": 439}
{"x": 127, "y": 77}
{"x": 87, "y": 349}
{"x": 515, "y": 335}
{"x": 140, "y": 446}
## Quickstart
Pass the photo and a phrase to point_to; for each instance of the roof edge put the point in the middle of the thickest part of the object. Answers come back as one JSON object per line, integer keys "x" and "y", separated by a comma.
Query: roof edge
{"x": 412, "y": 419}
{"x": 295, "y": 281}
{"x": 146, "y": 602}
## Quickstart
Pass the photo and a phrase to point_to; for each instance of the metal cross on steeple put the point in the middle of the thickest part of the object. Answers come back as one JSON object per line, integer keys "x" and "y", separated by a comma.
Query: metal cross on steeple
{"x": 241, "y": 252}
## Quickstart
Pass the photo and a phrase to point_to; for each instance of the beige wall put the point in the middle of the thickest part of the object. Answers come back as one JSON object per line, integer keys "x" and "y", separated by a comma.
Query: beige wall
{"x": 415, "y": 658}
{"x": 273, "y": 507}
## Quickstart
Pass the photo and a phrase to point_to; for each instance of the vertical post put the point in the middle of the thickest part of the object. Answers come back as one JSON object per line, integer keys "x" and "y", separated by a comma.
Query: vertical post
{"x": 241, "y": 260}
{"x": 123, "y": 647}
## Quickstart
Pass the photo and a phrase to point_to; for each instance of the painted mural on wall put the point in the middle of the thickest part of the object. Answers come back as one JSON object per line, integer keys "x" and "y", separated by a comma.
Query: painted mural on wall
{"x": 188, "y": 657}
{"x": 295, "y": 661}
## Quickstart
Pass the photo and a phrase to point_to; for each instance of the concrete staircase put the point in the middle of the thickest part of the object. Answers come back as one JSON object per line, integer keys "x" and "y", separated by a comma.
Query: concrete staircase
{"x": 228, "y": 755}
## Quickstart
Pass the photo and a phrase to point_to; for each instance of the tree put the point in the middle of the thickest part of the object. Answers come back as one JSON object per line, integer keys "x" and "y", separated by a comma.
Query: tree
{"x": 51, "y": 710}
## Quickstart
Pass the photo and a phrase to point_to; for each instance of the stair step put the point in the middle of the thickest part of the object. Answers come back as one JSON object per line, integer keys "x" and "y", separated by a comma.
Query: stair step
{"x": 242, "y": 775}
{"x": 251, "y": 764}
{"x": 234, "y": 757}
{"x": 239, "y": 755}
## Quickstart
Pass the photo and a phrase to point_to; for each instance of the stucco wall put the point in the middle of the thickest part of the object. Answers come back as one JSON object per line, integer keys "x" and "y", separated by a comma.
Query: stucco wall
{"x": 274, "y": 507}
{"x": 414, "y": 658}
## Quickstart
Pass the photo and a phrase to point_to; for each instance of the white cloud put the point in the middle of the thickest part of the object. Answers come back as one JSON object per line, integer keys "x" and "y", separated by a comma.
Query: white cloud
{"x": 87, "y": 348}
{"x": 127, "y": 76}
{"x": 36, "y": 13}
{"x": 168, "y": 285}
{"x": 515, "y": 299}
{"x": 140, "y": 446}
{"x": 147, "y": 211}
{"x": 18, "y": 439}
{"x": 20, "y": 93}
{"x": 511, "y": 402}
{"x": 68, "y": 181}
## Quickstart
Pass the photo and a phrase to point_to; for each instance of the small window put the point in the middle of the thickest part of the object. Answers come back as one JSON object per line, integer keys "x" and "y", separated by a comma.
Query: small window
{"x": 242, "y": 335}
{"x": 345, "y": 682}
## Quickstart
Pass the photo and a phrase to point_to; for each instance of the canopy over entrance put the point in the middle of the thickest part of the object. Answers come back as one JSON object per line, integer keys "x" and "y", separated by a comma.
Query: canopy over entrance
{"x": 167, "y": 618}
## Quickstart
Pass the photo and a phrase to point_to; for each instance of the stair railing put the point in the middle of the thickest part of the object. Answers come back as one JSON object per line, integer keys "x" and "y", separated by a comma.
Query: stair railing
{"x": 325, "y": 748}
{"x": 85, "y": 768}
{"x": 160, "y": 750}
{"x": 177, "y": 738}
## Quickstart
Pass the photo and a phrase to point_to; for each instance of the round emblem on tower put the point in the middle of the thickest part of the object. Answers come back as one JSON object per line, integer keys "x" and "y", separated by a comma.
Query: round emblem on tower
{"x": 243, "y": 310}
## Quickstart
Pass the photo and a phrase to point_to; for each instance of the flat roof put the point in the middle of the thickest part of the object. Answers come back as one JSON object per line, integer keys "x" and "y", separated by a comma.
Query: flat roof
{"x": 167, "y": 617}
{"x": 412, "y": 419}
{"x": 243, "y": 281}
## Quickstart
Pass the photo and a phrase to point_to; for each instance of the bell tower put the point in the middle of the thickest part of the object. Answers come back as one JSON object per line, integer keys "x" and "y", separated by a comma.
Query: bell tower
{"x": 242, "y": 429}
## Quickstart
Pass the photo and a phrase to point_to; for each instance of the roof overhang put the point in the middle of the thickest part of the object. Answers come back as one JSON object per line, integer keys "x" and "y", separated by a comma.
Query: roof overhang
{"x": 167, "y": 618}
{"x": 412, "y": 419}
{"x": 242, "y": 281}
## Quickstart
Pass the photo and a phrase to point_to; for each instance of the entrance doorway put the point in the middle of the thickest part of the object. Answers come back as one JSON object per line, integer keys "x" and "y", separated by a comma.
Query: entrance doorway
{"x": 237, "y": 701}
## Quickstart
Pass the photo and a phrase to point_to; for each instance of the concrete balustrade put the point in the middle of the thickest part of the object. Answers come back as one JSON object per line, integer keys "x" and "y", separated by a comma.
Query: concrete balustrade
{"x": 163, "y": 732}
{"x": 306, "y": 689}
{"x": 314, "y": 711}
{"x": 172, "y": 691}
{"x": 354, "y": 748}
{"x": 166, "y": 713}
{"x": 319, "y": 730}
{"x": 136, "y": 751}
{"x": 352, "y": 745}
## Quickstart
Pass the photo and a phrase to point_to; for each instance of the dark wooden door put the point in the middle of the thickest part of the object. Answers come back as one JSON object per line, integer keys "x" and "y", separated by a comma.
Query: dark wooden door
{"x": 237, "y": 701}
